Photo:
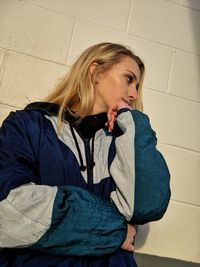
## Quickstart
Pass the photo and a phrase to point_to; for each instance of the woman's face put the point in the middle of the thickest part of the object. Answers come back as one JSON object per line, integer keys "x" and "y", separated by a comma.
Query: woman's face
{"x": 120, "y": 83}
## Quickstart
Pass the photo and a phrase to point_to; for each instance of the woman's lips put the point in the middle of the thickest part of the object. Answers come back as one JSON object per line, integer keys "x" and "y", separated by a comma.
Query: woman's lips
{"x": 126, "y": 101}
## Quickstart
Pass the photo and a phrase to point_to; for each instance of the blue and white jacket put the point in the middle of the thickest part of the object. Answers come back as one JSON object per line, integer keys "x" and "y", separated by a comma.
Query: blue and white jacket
{"x": 65, "y": 199}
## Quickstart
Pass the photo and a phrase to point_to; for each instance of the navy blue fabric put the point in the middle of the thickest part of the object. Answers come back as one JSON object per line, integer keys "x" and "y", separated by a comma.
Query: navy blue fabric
{"x": 31, "y": 152}
{"x": 27, "y": 258}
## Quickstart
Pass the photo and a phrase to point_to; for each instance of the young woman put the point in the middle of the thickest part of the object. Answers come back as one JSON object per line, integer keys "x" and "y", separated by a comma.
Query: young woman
{"x": 69, "y": 167}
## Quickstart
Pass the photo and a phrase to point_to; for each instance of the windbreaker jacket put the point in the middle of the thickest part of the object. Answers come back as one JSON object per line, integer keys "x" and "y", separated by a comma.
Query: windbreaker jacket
{"x": 66, "y": 200}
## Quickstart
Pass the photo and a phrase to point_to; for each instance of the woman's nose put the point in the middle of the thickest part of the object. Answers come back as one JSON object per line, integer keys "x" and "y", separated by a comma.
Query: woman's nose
{"x": 133, "y": 93}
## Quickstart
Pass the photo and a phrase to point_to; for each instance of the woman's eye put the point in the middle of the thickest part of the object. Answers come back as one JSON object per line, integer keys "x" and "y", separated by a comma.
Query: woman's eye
{"x": 129, "y": 79}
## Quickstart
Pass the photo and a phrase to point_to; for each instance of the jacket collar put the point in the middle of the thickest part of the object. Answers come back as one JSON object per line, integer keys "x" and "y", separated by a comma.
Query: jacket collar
{"x": 52, "y": 109}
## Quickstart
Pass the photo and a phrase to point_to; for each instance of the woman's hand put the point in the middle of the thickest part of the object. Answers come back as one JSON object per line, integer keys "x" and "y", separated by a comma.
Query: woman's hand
{"x": 130, "y": 238}
{"x": 112, "y": 114}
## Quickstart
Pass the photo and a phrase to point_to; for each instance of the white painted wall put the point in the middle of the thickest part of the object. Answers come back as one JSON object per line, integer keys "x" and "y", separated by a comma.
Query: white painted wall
{"x": 39, "y": 39}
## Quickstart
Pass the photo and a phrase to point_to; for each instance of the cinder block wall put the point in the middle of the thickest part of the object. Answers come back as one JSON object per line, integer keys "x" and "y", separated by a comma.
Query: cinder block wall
{"x": 39, "y": 39}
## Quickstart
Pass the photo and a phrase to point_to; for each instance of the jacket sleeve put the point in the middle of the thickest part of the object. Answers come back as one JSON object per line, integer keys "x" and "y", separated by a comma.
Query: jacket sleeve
{"x": 63, "y": 220}
{"x": 139, "y": 170}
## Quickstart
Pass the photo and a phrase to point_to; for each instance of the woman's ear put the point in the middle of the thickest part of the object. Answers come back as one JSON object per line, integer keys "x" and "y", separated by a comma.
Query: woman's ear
{"x": 92, "y": 67}
{"x": 93, "y": 75}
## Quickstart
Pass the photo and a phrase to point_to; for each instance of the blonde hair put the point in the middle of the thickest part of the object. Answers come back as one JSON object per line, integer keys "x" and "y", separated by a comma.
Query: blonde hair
{"x": 76, "y": 89}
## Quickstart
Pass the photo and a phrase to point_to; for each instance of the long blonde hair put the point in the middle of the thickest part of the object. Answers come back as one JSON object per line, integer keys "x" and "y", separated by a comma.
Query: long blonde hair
{"x": 76, "y": 89}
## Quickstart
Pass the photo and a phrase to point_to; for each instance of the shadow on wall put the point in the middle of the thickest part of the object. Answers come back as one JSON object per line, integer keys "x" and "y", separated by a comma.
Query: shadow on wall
{"x": 195, "y": 4}
{"x": 142, "y": 234}
{"x": 148, "y": 260}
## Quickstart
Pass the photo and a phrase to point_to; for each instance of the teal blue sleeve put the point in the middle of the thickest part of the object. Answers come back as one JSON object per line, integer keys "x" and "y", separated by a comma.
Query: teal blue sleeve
{"x": 152, "y": 181}
{"x": 82, "y": 224}
{"x": 146, "y": 188}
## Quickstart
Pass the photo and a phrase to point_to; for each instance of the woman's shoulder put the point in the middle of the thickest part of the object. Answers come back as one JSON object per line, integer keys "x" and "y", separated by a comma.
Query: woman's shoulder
{"x": 32, "y": 116}
{"x": 45, "y": 108}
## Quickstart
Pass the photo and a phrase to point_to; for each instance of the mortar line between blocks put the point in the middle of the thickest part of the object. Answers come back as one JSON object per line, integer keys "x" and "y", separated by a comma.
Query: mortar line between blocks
{"x": 170, "y": 71}
{"x": 180, "y": 147}
{"x": 3, "y": 105}
{"x": 170, "y": 94}
{"x": 185, "y": 203}
{"x": 3, "y": 66}
{"x": 71, "y": 41}
{"x": 184, "y": 6}
{"x": 169, "y": 46}
{"x": 33, "y": 56}
{"x": 129, "y": 15}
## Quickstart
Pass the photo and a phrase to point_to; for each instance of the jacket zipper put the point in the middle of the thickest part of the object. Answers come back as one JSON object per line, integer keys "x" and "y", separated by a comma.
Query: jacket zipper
{"x": 89, "y": 164}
